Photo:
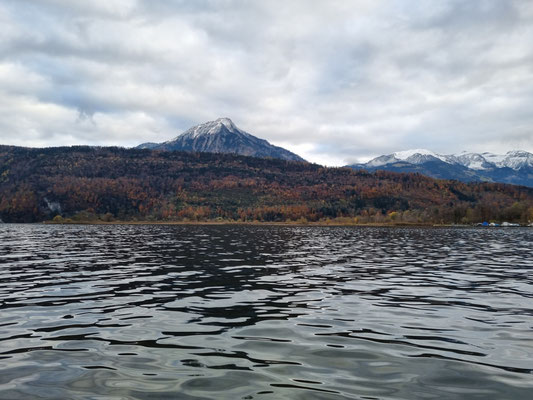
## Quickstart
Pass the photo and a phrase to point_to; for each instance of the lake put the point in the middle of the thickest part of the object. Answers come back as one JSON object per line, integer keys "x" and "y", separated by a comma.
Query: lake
{"x": 265, "y": 312}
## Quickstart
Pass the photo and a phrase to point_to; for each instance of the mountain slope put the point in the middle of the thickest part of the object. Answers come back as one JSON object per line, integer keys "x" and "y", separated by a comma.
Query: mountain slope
{"x": 222, "y": 136}
{"x": 515, "y": 167}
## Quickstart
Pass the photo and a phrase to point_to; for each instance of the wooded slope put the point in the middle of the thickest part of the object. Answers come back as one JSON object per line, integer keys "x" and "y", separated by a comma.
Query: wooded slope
{"x": 87, "y": 183}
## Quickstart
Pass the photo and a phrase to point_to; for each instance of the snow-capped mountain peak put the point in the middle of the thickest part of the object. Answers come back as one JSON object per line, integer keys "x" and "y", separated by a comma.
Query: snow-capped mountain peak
{"x": 222, "y": 136}
{"x": 382, "y": 160}
{"x": 517, "y": 159}
{"x": 515, "y": 166}
{"x": 514, "y": 159}
{"x": 404, "y": 155}
{"x": 211, "y": 128}
{"x": 473, "y": 161}
{"x": 419, "y": 156}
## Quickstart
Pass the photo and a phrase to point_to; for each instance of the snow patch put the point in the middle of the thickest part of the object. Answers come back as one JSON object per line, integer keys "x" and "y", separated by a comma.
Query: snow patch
{"x": 210, "y": 128}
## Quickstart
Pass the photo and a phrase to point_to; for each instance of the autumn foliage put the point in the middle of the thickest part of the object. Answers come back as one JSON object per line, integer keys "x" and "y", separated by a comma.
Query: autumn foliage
{"x": 90, "y": 183}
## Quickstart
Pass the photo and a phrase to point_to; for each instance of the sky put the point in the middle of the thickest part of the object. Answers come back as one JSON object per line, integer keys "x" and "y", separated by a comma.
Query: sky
{"x": 334, "y": 81}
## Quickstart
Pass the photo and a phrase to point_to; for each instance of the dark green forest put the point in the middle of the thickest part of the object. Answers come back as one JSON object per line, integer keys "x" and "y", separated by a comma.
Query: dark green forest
{"x": 115, "y": 184}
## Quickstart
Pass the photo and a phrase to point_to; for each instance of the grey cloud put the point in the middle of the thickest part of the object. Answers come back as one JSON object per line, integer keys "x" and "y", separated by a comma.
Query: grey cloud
{"x": 338, "y": 80}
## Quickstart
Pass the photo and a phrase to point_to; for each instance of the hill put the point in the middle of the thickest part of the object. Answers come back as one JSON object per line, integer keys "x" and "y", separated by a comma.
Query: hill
{"x": 88, "y": 183}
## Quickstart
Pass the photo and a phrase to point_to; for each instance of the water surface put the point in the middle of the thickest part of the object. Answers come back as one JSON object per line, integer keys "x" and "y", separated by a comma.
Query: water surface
{"x": 239, "y": 312}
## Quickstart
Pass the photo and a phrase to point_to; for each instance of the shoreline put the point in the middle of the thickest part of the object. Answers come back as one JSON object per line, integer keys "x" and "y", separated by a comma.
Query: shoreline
{"x": 255, "y": 223}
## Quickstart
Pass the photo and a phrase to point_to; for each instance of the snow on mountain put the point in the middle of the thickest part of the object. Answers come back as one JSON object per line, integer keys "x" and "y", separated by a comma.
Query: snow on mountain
{"x": 210, "y": 128}
{"x": 416, "y": 156}
{"x": 494, "y": 158}
{"x": 382, "y": 160}
{"x": 473, "y": 161}
{"x": 515, "y": 159}
{"x": 222, "y": 136}
{"x": 514, "y": 167}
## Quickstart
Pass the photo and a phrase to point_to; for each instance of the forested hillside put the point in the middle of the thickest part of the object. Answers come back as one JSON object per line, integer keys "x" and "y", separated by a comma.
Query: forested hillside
{"x": 88, "y": 183}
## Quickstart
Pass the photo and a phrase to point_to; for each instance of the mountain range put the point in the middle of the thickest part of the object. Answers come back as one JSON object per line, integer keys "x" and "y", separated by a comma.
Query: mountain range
{"x": 222, "y": 136}
{"x": 514, "y": 167}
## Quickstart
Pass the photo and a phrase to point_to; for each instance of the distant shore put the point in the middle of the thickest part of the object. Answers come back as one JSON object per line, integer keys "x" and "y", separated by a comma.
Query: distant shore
{"x": 255, "y": 223}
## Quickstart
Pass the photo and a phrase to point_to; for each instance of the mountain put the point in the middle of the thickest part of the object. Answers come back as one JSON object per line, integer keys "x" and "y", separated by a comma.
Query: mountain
{"x": 222, "y": 136}
{"x": 85, "y": 183}
{"x": 514, "y": 167}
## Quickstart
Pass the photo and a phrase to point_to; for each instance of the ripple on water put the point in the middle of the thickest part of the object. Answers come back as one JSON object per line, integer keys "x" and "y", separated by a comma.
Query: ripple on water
{"x": 202, "y": 312}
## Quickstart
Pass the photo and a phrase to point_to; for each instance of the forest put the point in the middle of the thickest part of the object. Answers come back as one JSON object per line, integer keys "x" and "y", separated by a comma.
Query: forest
{"x": 106, "y": 184}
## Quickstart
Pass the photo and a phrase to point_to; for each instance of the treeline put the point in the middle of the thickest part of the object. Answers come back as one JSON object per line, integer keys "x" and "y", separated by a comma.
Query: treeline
{"x": 90, "y": 183}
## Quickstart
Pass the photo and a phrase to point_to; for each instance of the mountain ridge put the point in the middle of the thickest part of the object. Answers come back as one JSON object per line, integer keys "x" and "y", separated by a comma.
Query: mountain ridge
{"x": 515, "y": 167}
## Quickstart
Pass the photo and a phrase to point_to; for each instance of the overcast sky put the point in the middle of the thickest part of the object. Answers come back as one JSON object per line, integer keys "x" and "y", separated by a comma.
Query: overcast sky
{"x": 334, "y": 81}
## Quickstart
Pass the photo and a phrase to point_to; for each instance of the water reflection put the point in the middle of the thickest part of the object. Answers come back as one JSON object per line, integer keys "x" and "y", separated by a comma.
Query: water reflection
{"x": 192, "y": 312}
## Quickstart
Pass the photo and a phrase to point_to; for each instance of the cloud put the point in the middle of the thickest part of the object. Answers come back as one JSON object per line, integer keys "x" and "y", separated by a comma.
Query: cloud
{"x": 339, "y": 81}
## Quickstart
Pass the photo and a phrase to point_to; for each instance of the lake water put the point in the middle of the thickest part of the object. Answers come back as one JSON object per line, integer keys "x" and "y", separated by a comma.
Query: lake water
{"x": 259, "y": 312}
